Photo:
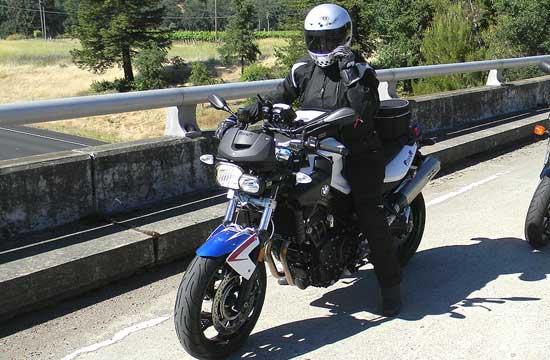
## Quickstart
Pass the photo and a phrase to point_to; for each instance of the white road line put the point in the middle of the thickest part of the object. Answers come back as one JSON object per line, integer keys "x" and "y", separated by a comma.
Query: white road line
{"x": 43, "y": 136}
{"x": 464, "y": 189}
{"x": 118, "y": 336}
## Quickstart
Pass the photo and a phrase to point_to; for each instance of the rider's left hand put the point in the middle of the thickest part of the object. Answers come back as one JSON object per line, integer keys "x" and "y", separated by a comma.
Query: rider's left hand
{"x": 250, "y": 114}
{"x": 224, "y": 126}
{"x": 346, "y": 64}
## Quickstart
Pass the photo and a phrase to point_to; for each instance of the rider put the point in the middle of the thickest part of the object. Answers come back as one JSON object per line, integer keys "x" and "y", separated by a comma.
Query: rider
{"x": 332, "y": 77}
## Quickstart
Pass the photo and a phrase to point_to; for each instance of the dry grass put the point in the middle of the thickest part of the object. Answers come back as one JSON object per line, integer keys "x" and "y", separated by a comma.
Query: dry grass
{"x": 34, "y": 70}
{"x": 31, "y": 82}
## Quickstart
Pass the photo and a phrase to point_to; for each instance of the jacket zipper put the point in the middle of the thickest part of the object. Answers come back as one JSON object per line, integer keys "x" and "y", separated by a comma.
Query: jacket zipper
{"x": 323, "y": 92}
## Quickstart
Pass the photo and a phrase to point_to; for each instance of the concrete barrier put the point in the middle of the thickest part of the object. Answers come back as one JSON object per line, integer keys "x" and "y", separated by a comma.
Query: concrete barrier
{"x": 63, "y": 262}
{"x": 456, "y": 109}
{"x": 46, "y": 191}
{"x": 141, "y": 173}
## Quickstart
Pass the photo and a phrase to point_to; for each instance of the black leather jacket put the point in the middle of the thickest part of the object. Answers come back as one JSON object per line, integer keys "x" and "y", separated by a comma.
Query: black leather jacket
{"x": 323, "y": 89}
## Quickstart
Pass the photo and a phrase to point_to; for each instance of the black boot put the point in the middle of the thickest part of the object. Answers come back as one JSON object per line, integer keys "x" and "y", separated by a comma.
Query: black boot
{"x": 391, "y": 300}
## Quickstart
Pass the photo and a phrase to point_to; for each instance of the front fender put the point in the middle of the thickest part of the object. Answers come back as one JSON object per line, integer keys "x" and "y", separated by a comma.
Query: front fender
{"x": 222, "y": 242}
{"x": 239, "y": 244}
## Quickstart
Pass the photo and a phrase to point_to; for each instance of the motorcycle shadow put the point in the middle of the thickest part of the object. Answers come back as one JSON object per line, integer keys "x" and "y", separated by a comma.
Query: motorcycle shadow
{"x": 438, "y": 281}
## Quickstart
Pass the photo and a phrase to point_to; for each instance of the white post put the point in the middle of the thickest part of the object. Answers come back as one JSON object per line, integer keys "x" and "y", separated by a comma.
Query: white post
{"x": 495, "y": 78}
{"x": 388, "y": 90}
{"x": 182, "y": 121}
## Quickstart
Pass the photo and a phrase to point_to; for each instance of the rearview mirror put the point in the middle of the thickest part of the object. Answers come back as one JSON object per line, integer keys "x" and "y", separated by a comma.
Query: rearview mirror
{"x": 217, "y": 102}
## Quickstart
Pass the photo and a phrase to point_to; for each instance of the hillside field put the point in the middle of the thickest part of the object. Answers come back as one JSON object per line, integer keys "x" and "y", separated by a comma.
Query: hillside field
{"x": 36, "y": 69}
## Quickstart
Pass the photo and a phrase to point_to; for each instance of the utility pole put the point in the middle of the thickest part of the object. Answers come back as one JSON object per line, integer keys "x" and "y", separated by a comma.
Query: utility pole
{"x": 42, "y": 19}
{"x": 267, "y": 18}
{"x": 216, "y": 19}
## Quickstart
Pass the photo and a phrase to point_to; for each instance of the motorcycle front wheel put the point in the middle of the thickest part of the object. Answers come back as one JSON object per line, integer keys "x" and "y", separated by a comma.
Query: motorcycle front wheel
{"x": 537, "y": 221}
{"x": 216, "y": 309}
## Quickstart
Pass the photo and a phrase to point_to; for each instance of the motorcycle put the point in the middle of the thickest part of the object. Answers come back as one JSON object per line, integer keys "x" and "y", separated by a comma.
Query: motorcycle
{"x": 537, "y": 221}
{"x": 290, "y": 208}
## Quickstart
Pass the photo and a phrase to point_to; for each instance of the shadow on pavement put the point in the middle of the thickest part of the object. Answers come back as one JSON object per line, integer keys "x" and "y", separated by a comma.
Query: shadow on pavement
{"x": 437, "y": 282}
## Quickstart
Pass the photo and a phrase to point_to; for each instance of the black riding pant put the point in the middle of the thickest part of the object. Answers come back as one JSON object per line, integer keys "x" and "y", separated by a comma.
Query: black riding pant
{"x": 365, "y": 172}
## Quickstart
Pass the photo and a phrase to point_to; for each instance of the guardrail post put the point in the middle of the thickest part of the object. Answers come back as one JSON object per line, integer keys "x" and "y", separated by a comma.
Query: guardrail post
{"x": 388, "y": 90}
{"x": 182, "y": 121}
{"x": 495, "y": 78}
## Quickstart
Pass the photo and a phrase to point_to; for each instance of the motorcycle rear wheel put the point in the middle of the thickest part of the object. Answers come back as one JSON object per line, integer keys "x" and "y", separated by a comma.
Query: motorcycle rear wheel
{"x": 407, "y": 247}
{"x": 537, "y": 221}
{"x": 201, "y": 331}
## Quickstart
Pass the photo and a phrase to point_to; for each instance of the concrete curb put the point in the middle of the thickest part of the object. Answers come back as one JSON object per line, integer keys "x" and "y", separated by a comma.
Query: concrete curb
{"x": 134, "y": 242}
{"x": 458, "y": 148}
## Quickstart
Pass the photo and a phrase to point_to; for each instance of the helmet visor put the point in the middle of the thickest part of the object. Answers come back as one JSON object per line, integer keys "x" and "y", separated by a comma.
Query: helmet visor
{"x": 325, "y": 41}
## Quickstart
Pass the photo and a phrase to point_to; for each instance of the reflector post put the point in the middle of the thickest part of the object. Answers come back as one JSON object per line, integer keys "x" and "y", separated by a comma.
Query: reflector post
{"x": 540, "y": 130}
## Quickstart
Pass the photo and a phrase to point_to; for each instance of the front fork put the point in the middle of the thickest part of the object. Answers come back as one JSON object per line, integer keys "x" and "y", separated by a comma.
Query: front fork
{"x": 265, "y": 245}
{"x": 267, "y": 204}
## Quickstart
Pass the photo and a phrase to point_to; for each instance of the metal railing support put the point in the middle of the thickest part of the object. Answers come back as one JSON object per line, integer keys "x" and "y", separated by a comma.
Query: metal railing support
{"x": 495, "y": 78}
{"x": 387, "y": 90}
{"x": 182, "y": 121}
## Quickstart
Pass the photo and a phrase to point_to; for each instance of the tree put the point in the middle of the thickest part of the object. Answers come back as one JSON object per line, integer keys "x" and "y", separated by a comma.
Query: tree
{"x": 150, "y": 63}
{"x": 195, "y": 14}
{"x": 112, "y": 31}
{"x": 15, "y": 20}
{"x": 450, "y": 39}
{"x": 522, "y": 27}
{"x": 239, "y": 41}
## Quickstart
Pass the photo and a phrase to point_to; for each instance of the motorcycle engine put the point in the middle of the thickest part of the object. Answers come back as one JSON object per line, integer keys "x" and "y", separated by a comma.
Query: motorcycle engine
{"x": 321, "y": 250}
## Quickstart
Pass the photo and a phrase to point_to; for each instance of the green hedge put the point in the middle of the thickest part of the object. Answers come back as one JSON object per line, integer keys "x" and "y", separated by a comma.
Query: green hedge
{"x": 210, "y": 36}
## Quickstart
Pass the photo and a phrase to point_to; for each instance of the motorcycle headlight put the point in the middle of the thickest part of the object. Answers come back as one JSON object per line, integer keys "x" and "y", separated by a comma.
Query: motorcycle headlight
{"x": 228, "y": 175}
{"x": 251, "y": 184}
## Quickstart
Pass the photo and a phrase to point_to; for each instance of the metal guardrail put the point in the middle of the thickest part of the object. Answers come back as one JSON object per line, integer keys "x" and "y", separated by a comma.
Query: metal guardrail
{"x": 183, "y": 101}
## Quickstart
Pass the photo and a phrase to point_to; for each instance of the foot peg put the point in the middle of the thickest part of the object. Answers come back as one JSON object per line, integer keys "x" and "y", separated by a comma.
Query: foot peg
{"x": 282, "y": 281}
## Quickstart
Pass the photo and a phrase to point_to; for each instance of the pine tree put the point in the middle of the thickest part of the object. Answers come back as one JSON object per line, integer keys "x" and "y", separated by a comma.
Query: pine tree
{"x": 112, "y": 31}
{"x": 239, "y": 42}
{"x": 15, "y": 20}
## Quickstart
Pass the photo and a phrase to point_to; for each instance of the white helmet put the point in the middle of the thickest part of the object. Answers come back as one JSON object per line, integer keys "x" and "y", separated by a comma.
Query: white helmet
{"x": 326, "y": 27}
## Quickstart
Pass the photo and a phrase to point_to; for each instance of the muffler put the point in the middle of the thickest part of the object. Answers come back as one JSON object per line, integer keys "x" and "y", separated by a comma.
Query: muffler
{"x": 425, "y": 172}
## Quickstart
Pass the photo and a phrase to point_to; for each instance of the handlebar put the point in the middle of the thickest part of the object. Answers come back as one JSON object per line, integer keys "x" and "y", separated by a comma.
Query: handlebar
{"x": 334, "y": 149}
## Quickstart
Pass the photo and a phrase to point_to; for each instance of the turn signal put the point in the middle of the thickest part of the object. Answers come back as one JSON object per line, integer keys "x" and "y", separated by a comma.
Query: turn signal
{"x": 540, "y": 130}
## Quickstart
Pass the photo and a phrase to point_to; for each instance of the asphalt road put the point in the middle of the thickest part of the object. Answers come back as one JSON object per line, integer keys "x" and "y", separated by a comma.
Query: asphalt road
{"x": 474, "y": 290}
{"x": 20, "y": 141}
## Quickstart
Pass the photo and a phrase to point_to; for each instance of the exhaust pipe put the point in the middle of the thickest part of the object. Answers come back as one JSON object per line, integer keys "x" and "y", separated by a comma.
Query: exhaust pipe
{"x": 426, "y": 172}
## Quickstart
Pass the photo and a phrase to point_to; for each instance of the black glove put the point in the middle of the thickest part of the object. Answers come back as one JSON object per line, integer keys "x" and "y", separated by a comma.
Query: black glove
{"x": 346, "y": 64}
{"x": 250, "y": 114}
{"x": 224, "y": 126}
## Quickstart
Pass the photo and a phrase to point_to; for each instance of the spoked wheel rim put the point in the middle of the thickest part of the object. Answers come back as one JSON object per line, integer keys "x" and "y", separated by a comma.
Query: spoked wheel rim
{"x": 401, "y": 240}
{"x": 224, "y": 309}
{"x": 407, "y": 243}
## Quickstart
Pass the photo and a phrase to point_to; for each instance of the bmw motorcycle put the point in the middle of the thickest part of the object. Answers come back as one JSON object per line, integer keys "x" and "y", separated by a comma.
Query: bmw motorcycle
{"x": 537, "y": 221}
{"x": 290, "y": 208}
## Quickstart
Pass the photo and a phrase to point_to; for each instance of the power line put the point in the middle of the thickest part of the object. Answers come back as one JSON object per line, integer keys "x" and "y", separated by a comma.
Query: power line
{"x": 34, "y": 10}
{"x": 164, "y": 17}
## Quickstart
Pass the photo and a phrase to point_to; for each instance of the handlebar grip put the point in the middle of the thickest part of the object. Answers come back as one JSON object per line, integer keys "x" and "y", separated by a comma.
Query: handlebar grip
{"x": 335, "y": 149}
